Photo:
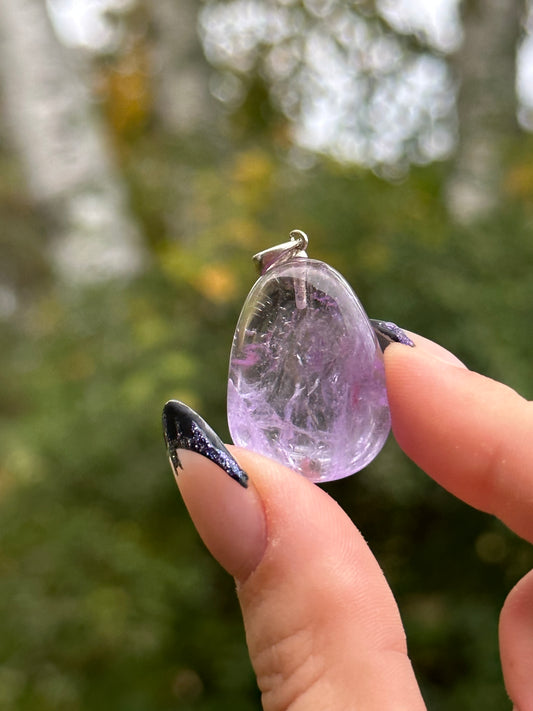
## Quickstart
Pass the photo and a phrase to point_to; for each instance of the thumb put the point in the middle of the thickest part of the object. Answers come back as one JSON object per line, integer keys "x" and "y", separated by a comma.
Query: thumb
{"x": 322, "y": 626}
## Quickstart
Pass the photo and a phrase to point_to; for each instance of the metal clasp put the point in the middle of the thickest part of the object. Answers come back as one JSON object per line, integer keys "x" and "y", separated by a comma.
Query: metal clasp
{"x": 281, "y": 252}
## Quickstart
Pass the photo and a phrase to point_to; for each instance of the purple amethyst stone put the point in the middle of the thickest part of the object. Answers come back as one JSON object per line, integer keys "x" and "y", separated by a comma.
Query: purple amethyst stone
{"x": 306, "y": 381}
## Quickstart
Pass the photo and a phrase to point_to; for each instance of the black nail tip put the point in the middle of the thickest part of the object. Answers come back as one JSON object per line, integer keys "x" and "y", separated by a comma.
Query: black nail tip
{"x": 183, "y": 428}
{"x": 388, "y": 332}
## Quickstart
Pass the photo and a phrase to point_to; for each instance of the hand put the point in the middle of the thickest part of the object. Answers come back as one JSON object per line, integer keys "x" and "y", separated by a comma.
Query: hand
{"x": 322, "y": 626}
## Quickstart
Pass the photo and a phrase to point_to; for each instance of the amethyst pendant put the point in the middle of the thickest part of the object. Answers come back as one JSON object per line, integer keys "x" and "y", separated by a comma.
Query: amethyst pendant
{"x": 306, "y": 380}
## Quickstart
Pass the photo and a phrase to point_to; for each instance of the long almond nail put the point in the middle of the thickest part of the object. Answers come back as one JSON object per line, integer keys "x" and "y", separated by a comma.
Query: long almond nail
{"x": 229, "y": 518}
{"x": 388, "y": 332}
{"x": 183, "y": 428}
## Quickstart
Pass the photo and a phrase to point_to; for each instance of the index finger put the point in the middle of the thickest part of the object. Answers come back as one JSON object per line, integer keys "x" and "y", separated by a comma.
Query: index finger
{"x": 471, "y": 434}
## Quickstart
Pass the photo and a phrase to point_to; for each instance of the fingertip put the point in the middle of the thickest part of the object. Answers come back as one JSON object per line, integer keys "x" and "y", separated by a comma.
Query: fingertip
{"x": 413, "y": 375}
{"x": 468, "y": 432}
{"x": 428, "y": 398}
{"x": 425, "y": 347}
{"x": 228, "y": 517}
{"x": 421, "y": 383}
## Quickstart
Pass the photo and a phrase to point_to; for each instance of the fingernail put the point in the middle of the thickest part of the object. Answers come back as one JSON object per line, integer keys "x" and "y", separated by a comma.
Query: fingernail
{"x": 230, "y": 519}
{"x": 388, "y": 332}
{"x": 184, "y": 429}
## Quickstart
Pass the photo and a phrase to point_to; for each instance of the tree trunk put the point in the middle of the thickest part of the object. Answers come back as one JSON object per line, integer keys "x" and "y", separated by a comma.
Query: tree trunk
{"x": 63, "y": 149}
{"x": 486, "y": 69}
{"x": 180, "y": 73}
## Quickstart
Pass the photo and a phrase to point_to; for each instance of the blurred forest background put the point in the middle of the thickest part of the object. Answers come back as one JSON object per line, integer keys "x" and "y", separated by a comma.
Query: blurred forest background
{"x": 148, "y": 149}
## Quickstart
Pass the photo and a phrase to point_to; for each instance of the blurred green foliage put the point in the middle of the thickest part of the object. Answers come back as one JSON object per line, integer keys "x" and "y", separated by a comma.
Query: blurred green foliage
{"x": 108, "y": 599}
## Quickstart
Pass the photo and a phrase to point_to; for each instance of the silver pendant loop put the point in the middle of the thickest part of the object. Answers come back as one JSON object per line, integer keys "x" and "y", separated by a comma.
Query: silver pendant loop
{"x": 281, "y": 252}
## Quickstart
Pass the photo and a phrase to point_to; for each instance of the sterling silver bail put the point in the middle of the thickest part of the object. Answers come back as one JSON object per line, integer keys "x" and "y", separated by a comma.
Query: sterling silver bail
{"x": 281, "y": 252}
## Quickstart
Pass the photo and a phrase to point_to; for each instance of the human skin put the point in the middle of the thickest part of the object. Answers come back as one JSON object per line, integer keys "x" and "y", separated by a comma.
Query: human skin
{"x": 322, "y": 626}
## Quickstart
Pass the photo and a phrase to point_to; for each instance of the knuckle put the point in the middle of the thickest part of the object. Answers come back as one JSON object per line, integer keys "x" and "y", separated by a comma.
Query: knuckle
{"x": 288, "y": 669}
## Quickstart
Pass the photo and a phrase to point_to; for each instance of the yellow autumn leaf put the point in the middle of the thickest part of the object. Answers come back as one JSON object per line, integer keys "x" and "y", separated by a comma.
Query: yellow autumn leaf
{"x": 243, "y": 232}
{"x": 217, "y": 283}
{"x": 253, "y": 167}
{"x": 519, "y": 181}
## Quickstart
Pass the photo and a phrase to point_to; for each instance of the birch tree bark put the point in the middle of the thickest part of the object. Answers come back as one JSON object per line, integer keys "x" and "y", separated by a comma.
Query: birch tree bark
{"x": 63, "y": 149}
{"x": 487, "y": 104}
{"x": 180, "y": 73}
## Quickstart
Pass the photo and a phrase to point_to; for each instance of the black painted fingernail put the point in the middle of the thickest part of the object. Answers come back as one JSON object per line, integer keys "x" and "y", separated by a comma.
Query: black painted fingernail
{"x": 388, "y": 332}
{"x": 183, "y": 428}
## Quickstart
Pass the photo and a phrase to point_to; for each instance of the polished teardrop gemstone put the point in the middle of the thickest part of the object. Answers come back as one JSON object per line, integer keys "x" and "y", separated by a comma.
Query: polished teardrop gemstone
{"x": 306, "y": 378}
